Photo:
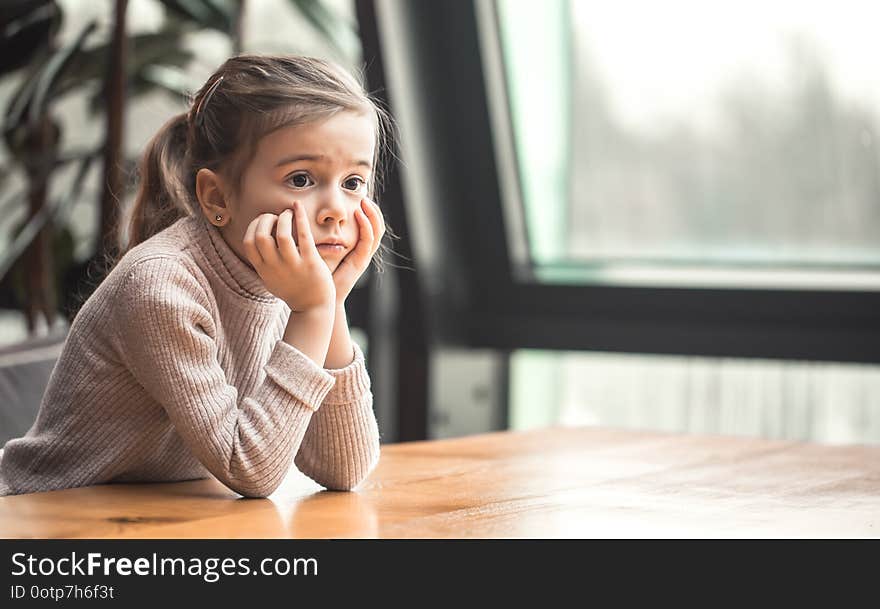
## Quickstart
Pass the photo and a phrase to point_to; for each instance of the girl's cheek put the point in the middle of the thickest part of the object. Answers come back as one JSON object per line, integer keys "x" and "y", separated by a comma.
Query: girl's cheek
{"x": 304, "y": 198}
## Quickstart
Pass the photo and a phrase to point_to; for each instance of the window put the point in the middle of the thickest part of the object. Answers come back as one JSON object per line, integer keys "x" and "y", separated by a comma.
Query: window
{"x": 781, "y": 400}
{"x": 688, "y": 143}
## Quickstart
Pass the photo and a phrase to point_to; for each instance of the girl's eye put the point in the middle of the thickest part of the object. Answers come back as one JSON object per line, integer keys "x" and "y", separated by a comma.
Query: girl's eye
{"x": 300, "y": 180}
{"x": 354, "y": 183}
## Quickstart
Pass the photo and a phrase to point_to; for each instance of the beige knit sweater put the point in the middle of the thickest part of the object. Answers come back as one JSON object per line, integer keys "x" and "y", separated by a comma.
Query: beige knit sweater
{"x": 174, "y": 369}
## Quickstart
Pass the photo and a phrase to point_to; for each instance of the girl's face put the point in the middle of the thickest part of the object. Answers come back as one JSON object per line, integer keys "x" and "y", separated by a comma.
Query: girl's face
{"x": 326, "y": 165}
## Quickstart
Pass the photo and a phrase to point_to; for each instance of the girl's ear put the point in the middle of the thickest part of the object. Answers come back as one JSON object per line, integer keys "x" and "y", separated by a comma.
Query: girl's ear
{"x": 211, "y": 192}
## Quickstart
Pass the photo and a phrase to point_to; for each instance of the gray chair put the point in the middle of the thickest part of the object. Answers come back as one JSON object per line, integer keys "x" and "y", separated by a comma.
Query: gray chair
{"x": 25, "y": 368}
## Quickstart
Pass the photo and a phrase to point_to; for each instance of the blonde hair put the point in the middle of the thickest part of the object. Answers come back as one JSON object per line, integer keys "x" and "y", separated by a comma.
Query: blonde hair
{"x": 247, "y": 97}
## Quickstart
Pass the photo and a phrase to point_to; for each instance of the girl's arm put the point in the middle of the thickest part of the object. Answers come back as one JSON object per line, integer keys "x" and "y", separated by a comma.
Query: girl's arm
{"x": 341, "y": 446}
{"x": 340, "y": 352}
{"x": 167, "y": 339}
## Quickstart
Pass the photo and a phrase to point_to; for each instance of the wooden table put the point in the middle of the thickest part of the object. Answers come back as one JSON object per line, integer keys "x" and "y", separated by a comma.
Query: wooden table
{"x": 558, "y": 482}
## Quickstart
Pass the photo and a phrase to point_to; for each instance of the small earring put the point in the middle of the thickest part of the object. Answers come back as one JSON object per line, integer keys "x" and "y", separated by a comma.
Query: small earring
{"x": 218, "y": 217}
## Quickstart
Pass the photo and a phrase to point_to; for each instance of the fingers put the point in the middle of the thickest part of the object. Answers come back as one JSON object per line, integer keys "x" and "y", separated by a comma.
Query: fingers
{"x": 264, "y": 240}
{"x": 284, "y": 237}
{"x": 377, "y": 221}
{"x": 307, "y": 245}
{"x": 250, "y": 245}
{"x": 364, "y": 247}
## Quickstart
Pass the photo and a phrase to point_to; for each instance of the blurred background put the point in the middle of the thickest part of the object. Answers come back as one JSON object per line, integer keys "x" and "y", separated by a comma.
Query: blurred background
{"x": 646, "y": 215}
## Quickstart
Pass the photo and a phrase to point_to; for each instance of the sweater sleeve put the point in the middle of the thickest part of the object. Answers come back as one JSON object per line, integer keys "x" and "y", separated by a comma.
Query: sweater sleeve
{"x": 167, "y": 340}
{"x": 341, "y": 446}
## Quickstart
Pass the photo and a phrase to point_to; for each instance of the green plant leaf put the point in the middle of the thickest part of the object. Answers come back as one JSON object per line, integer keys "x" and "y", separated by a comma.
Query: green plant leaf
{"x": 18, "y": 103}
{"x": 154, "y": 62}
{"x": 26, "y": 234}
{"x": 25, "y": 27}
{"x": 204, "y": 13}
{"x": 52, "y": 71}
{"x": 163, "y": 47}
{"x": 173, "y": 80}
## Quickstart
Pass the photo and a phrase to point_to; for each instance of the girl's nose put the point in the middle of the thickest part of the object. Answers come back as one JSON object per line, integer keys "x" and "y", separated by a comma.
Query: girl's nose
{"x": 332, "y": 209}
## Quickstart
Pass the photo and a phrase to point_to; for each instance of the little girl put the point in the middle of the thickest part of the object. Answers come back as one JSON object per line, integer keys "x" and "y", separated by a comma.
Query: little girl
{"x": 218, "y": 343}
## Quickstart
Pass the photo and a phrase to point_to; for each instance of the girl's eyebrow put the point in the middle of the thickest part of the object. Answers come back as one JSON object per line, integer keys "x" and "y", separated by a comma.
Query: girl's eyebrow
{"x": 317, "y": 157}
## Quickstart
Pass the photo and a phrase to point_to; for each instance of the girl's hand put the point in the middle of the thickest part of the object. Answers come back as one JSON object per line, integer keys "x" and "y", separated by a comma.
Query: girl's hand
{"x": 372, "y": 228}
{"x": 296, "y": 274}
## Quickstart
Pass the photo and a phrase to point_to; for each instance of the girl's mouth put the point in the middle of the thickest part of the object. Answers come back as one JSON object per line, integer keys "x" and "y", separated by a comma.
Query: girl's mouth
{"x": 331, "y": 248}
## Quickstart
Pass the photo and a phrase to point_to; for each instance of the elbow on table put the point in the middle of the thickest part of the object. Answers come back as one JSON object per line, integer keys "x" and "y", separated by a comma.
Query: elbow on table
{"x": 255, "y": 489}
{"x": 338, "y": 486}
{"x": 254, "y": 494}
{"x": 344, "y": 480}
{"x": 342, "y": 484}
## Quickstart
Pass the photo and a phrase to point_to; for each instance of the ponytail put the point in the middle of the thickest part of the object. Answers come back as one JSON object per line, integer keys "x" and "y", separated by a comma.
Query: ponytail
{"x": 163, "y": 195}
{"x": 161, "y": 200}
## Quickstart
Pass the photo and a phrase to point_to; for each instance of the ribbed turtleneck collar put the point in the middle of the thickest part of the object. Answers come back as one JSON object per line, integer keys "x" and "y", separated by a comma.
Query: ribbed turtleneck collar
{"x": 234, "y": 272}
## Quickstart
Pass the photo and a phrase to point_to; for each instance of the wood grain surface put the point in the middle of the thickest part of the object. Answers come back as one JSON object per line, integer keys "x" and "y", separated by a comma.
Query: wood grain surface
{"x": 548, "y": 483}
